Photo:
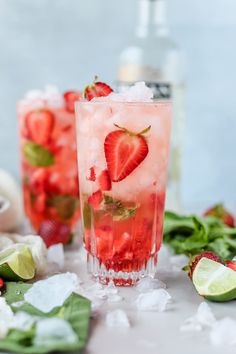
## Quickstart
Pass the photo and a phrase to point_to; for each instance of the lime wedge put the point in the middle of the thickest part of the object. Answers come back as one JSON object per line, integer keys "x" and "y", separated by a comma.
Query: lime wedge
{"x": 214, "y": 281}
{"x": 16, "y": 263}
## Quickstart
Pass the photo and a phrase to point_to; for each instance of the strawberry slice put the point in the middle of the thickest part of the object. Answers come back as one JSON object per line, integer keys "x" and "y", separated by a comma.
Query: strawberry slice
{"x": 70, "y": 98}
{"x": 124, "y": 151}
{"x": 95, "y": 199}
{"x": 40, "y": 124}
{"x": 92, "y": 174}
{"x": 104, "y": 181}
{"x": 97, "y": 89}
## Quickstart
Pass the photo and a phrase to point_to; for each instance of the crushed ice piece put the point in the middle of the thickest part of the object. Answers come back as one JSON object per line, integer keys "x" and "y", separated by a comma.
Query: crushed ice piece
{"x": 111, "y": 289}
{"x": 155, "y": 300}
{"x": 203, "y": 318}
{"x": 50, "y": 331}
{"x": 56, "y": 255}
{"x": 147, "y": 284}
{"x": 139, "y": 92}
{"x": 168, "y": 263}
{"x": 6, "y": 317}
{"x": 117, "y": 318}
{"x": 52, "y": 292}
{"x": 223, "y": 332}
{"x": 23, "y": 321}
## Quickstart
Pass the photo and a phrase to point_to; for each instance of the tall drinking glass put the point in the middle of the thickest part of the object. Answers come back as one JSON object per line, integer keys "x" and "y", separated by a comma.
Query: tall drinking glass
{"x": 123, "y": 150}
{"x": 48, "y": 161}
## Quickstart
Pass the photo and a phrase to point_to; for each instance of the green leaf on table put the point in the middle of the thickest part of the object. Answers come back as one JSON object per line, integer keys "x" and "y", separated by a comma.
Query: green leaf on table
{"x": 65, "y": 205}
{"x": 76, "y": 310}
{"x": 191, "y": 235}
{"x": 37, "y": 155}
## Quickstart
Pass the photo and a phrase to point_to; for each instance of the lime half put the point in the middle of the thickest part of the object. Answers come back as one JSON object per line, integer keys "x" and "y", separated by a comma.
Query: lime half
{"x": 214, "y": 281}
{"x": 16, "y": 263}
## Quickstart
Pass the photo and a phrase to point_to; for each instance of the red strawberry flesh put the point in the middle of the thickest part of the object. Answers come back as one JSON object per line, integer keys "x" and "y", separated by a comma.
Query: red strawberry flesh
{"x": 104, "y": 181}
{"x": 70, "y": 98}
{"x": 124, "y": 151}
{"x": 95, "y": 199}
{"x": 97, "y": 89}
{"x": 53, "y": 232}
{"x": 231, "y": 264}
{"x": 40, "y": 124}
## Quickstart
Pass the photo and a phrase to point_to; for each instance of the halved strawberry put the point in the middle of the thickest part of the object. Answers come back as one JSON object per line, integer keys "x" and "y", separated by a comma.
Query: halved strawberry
{"x": 194, "y": 261}
{"x": 95, "y": 199}
{"x": 40, "y": 124}
{"x": 231, "y": 264}
{"x": 97, "y": 89}
{"x": 104, "y": 181}
{"x": 70, "y": 98}
{"x": 38, "y": 180}
{"x": 223, "y": 214}
{"x": 53, "y": 232}
{"x": 92, "y": 175}
{"x": 124, "y": 151}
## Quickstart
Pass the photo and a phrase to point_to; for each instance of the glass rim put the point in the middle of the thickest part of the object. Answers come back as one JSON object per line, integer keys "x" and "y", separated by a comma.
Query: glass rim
{"x": 132, "y": 103}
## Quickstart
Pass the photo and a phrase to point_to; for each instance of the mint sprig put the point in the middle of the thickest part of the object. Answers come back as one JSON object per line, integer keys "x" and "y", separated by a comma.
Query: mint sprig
{"x": 191, "y": 235}
{"x": 37, "y": 155}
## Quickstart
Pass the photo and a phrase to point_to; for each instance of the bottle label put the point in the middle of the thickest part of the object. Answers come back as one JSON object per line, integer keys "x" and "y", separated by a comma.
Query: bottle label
{"x": 161, "y": 90}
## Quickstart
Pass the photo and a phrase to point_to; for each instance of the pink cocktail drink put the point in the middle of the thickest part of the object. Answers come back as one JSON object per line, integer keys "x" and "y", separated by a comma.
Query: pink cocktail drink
{"x": 49, "y": 160}
{"x": 123, "y": 157}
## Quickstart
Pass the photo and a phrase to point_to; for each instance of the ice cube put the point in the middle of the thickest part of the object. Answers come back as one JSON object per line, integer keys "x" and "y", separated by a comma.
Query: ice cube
{"x": 203, "y": 318}
{"x": 147, "y": 284}
{"x": 117, "y": 318}
{"x": 51, "y": 331}
{"x": 56, "y": 255}
{"x": 47, "y": 294}
{"x": 223, "y": 332}
{"x": 34, "y": 95}
{"x": 23, "y": 321}
{"x": 178, "y": 262}
{"x": 138, "y": 92}
{"x": 155, "y": 300}
{"x": 111, "y": 289}
{"x": 6, "y": 317}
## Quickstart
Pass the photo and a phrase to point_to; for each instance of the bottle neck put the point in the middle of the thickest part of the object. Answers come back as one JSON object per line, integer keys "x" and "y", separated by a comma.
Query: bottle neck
{"x": 152, "y": 18}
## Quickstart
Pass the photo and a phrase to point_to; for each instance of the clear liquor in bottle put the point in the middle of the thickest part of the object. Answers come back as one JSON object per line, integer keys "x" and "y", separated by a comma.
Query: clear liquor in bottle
{"x": 153, "y": 57}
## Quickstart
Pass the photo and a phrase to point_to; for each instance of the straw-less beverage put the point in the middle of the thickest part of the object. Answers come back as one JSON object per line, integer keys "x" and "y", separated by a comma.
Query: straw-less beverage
{"x": 123, "y": 154}
{"x": 49, "y": 159}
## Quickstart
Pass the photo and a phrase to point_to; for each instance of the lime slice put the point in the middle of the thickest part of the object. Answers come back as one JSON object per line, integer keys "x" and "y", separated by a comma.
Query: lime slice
{"x": 16, "y": 263}
{"x": 214, "y": 281}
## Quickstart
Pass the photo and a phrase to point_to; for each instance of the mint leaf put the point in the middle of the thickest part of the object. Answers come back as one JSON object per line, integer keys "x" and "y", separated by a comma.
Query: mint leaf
{"x": 118, "y": 210}
{"x": 191, "y": 235}
{"x": 76, "y": 310}
{"x": 65, "y": 205}
{"x": 87, "y": 216}
{"x": 37, "y": 155}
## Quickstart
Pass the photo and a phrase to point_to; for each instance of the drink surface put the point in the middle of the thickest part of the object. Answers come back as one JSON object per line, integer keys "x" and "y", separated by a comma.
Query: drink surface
{"x": 123, "y": 216}
{"x": 48, "y": 162}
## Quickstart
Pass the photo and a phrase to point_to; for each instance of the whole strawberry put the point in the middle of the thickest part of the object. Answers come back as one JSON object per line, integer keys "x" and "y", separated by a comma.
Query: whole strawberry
{"x": 195, "y": 259}
{"x": 53, "y": 232}
{"x": 223, "y": 214}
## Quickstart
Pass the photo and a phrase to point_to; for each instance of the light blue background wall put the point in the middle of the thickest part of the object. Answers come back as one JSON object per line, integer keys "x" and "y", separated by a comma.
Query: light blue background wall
{"x": 66, "y": 42}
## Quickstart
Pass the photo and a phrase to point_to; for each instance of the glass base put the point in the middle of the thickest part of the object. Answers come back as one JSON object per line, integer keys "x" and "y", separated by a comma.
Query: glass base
{"x": 120, "y": 278}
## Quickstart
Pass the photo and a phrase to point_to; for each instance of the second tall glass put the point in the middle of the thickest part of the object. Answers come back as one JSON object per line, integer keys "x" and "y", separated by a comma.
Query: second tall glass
{"x": 123, "y": 153}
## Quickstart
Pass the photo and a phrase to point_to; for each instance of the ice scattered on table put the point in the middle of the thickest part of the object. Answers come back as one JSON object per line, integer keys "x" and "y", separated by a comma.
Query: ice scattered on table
{"x": 155, "y": 300}
{"x": 203, "y": 318}
{"x": 169, "y": 263}
{"x": 23, "y": 321}
{"x": 147, "y": 284}
{"x": 52, "y": 292}
{"x": 6, "y": 317}
{"x": 139, "y": 92}
{"x": 223, "y": 332}
{"x": 117, "y": 318}
{"x": 52, "y": 331}
{"x": 56, "y": 255}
